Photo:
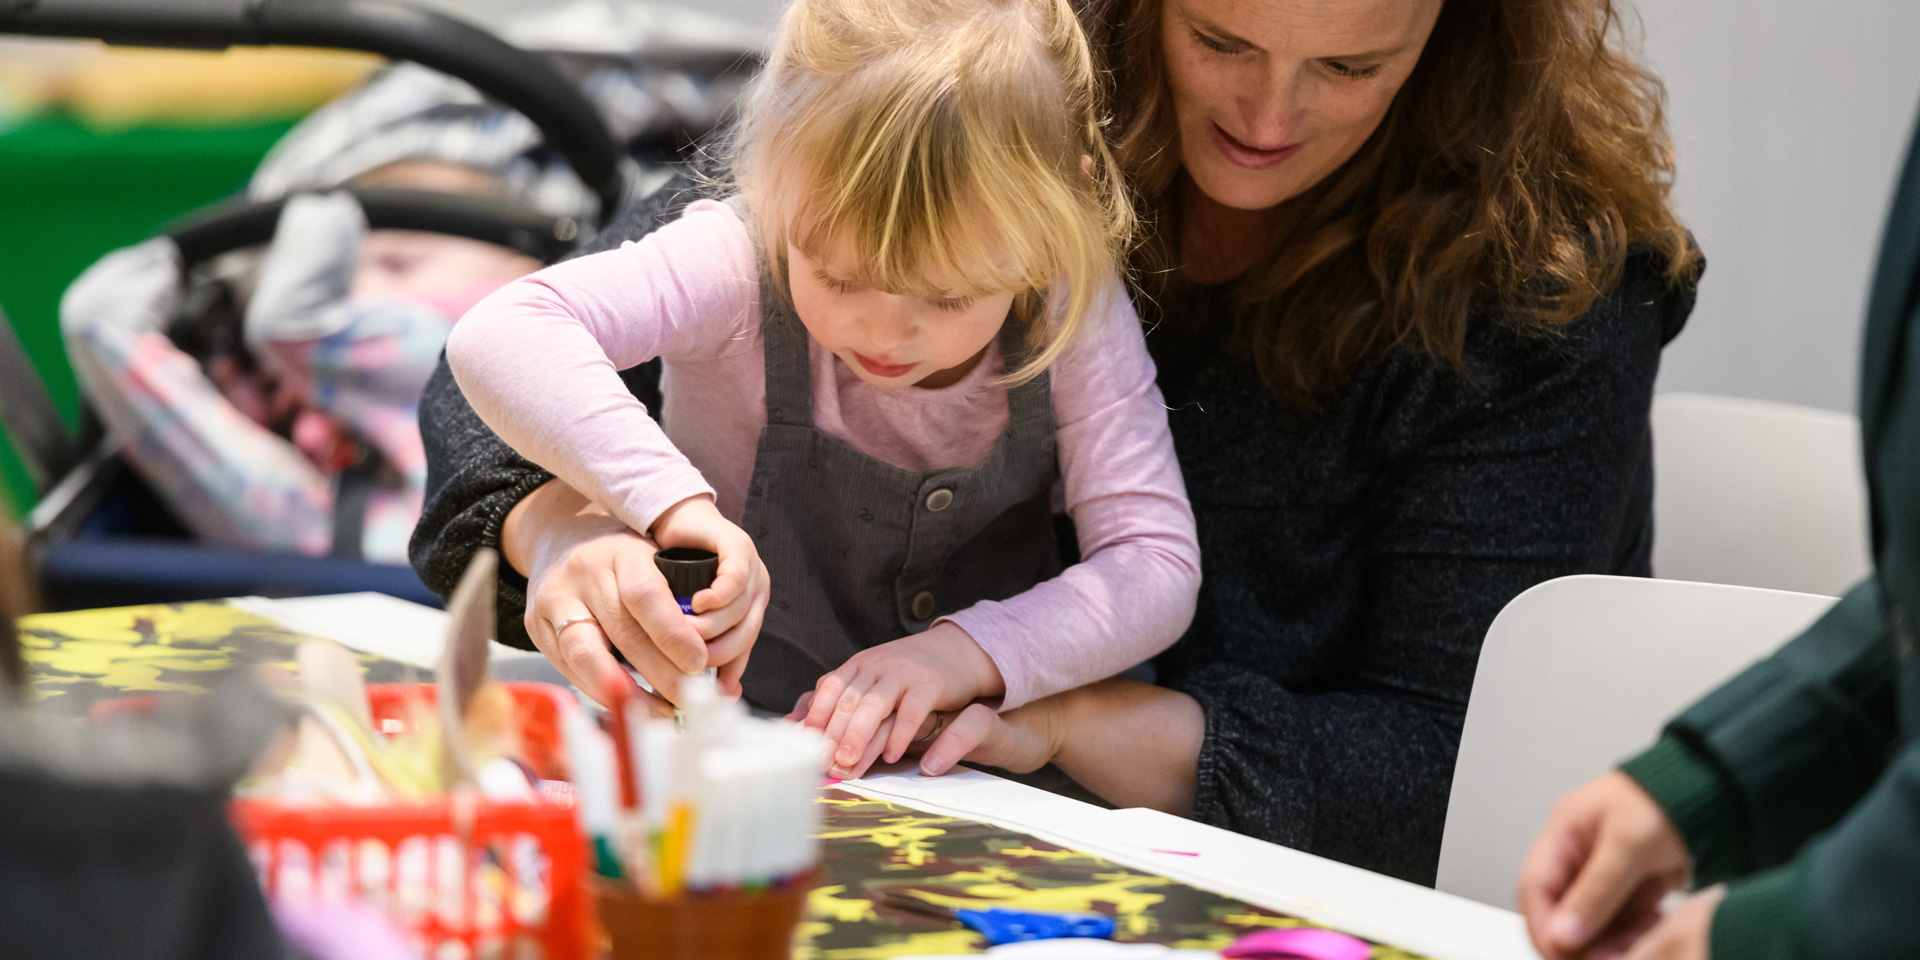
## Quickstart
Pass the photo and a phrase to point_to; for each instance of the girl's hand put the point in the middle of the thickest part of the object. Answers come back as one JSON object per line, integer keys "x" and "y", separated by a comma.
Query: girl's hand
{"x": 728, "y": 613}
{"x": 1593, "y": 882}
{"x": 585, "y": 566}
{"x": 1022, "y": 740}
{"x": 906, "y": 680}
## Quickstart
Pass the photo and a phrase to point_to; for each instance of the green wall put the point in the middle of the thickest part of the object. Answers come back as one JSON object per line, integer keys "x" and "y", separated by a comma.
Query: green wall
{"x": 69, "y": 194}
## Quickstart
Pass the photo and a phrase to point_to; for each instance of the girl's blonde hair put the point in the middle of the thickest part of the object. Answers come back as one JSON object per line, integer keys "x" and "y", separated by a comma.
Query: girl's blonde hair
{"x": 952, "y": 141}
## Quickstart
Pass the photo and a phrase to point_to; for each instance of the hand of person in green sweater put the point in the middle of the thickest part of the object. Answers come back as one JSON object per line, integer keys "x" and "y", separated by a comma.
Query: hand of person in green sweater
{"x": 1683, "y": 933}
{"x": 1593, "y": 882}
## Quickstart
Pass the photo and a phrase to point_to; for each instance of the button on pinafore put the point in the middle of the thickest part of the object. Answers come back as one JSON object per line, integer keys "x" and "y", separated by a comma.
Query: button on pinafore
{"x": 861, "y": 552}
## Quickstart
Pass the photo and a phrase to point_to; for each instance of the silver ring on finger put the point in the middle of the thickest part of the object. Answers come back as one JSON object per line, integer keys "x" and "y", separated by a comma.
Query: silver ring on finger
{"x": 570, "y": 621}
{"x": 939, "y": 723}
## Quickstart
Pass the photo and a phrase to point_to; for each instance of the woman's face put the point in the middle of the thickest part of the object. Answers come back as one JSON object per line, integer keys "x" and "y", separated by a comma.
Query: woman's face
{"x": 1271, "y": 96}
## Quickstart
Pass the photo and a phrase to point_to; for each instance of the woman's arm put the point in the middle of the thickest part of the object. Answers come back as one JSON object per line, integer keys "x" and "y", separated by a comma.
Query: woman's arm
{"x": 1131, "y": 743}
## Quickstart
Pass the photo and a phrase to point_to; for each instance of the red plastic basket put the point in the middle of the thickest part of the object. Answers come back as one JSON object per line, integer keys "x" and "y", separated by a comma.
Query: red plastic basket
{"x": 468, "y": 879}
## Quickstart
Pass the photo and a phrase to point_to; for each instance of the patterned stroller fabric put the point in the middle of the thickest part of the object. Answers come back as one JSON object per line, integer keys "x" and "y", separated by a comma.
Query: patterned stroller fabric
{"x": 272, "y": 473}
{"x": 654, "y": 73}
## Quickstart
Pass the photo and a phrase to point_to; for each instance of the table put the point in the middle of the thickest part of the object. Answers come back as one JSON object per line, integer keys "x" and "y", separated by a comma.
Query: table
{"x": 1142, "y": 842}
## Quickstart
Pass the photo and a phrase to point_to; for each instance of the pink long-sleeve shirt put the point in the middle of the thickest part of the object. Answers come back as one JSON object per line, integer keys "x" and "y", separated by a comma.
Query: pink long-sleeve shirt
{"x": 539, "y": 359}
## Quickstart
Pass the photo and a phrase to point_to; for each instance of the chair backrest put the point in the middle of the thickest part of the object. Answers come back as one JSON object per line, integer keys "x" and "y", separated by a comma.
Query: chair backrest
{"x": 1758, "y": 494}
{"x": 1576, "y": 674}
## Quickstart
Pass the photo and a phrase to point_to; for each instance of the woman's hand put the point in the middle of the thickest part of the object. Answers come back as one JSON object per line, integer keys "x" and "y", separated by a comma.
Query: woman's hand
{"x": 905, "y": 680}
{"x": 1593, "y": 882}
{"x": 1022, "y": 740}
{"x": 592, "y": 581}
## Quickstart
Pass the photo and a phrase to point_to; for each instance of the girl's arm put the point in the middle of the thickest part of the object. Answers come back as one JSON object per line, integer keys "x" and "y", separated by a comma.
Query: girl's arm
{"x": 1132, "y": 594}
{"x": 539, "y": 359}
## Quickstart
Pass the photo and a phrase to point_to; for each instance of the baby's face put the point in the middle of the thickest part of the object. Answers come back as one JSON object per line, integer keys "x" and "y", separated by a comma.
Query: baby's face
{"x": 890, "y": 340}
{"x": 444, "y": 272}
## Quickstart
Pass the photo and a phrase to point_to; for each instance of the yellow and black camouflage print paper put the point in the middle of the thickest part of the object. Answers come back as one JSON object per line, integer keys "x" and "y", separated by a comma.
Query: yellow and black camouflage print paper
{"x": 867, "y": 846}
{"x": 78, "y": 658}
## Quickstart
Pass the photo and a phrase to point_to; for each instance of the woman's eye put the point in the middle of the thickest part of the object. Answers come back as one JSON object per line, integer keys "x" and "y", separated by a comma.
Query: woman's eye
{"x": 1350, "y": 71}
{"x": 1217, "y": 46}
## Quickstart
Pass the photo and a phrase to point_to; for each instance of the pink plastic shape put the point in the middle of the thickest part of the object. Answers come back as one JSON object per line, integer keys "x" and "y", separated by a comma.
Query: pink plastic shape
{"x": 1306, "y": 943}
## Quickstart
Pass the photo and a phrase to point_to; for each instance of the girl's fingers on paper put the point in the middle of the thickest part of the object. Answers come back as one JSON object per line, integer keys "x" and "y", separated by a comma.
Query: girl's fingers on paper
{"x": 839, "y": 707}
{"x": 867, "y": 756}
{"x": 864, "y": 729}
{"x": 826, "y": 696}
{"x": 910, "y": 720}
{"x": 969, "y": 732}
{"x": 649, "y": 602}
{"x": 840, "y": 727}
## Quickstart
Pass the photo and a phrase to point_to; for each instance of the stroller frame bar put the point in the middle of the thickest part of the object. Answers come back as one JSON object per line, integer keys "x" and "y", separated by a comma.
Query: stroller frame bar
{"x": 518, "y": 78}
{"x": 522, "y": 229}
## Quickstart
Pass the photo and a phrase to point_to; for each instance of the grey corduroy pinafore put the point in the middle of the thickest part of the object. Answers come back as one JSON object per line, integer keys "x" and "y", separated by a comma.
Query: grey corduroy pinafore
{"x": 861, "y": 552}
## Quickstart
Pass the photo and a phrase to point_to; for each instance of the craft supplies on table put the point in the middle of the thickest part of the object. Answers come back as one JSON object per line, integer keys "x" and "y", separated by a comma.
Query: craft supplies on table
{"x": 503, "y": 878}
{"x": 712, "y": 848}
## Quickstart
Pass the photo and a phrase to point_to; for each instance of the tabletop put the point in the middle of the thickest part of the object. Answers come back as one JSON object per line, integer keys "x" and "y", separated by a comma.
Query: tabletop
{"x": 968, "y": 836}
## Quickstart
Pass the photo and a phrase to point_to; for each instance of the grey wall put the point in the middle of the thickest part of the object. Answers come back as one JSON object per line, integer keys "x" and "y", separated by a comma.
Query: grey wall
{"x": 1790, "y": 120}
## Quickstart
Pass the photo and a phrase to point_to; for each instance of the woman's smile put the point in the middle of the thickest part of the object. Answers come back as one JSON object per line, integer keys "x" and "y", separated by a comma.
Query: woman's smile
{"x": 1242, "y": 154}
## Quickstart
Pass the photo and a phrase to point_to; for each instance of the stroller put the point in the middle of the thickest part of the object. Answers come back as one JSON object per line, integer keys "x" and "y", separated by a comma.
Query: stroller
{"x": 100, "y": 534}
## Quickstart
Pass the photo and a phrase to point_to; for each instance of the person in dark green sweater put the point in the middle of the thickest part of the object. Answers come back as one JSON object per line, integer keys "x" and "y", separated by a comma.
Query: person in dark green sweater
{"x": 1792, "y": 793}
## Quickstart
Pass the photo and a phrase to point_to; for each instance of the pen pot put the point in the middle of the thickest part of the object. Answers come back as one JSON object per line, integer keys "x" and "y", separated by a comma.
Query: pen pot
{"x": 717, "y": 925}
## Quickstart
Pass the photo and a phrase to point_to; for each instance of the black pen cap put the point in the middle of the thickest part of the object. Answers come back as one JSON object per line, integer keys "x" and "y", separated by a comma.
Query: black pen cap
{"x": 688, "y": 570}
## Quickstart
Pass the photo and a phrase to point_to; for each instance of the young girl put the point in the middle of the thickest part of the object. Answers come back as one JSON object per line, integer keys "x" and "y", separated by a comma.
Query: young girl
{"x": 890, "y": 359}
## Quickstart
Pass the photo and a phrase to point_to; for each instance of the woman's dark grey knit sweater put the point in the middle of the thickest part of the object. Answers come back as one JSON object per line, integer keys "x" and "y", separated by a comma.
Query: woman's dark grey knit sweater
{"x": 1353, "y": 554}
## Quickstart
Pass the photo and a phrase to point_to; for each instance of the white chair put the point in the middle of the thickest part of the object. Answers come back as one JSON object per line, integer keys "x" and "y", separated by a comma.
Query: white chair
{"x": 1757, "y": 493}
{"x": 1576, "y": 675}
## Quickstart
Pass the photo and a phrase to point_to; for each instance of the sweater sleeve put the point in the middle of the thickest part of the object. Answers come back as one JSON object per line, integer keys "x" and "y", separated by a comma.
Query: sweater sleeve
{"x": 1781, "y": 751}
{"x": 1796, "y": 745}
{"x": 539, "y": 359}
{"x": 1134, "y": 589}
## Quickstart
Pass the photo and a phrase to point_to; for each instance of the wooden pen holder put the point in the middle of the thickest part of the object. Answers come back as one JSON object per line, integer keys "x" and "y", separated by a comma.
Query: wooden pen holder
{"x": 721, "y": 925}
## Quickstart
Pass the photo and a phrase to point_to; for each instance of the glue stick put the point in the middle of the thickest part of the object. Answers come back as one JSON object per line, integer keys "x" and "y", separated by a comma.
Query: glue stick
{"x": 688, "y": 571}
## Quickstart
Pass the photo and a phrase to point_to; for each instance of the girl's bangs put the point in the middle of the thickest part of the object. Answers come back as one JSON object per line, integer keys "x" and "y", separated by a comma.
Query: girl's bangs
{"x": 971, "y": 229}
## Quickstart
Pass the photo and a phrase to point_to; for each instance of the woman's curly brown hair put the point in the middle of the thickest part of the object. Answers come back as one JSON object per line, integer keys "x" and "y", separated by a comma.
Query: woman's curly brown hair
{"x": 1522, "y": 157}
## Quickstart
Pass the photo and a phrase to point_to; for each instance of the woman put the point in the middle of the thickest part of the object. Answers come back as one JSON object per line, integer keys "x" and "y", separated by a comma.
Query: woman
{"x": 1412, "y": 269}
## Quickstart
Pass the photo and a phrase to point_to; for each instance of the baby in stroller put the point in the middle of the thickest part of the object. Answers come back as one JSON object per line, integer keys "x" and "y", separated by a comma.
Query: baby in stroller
{"x": 271, "y": 403}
